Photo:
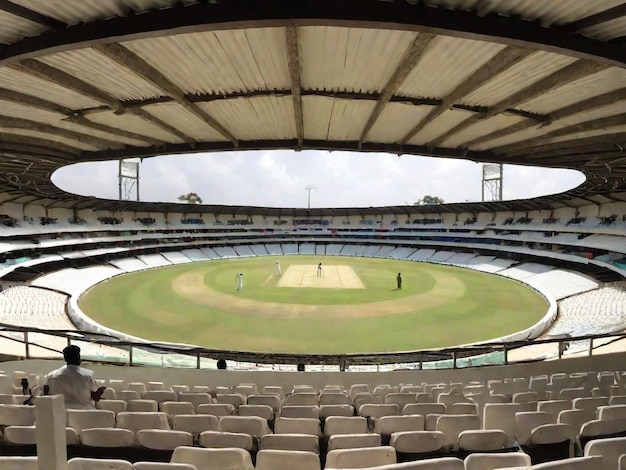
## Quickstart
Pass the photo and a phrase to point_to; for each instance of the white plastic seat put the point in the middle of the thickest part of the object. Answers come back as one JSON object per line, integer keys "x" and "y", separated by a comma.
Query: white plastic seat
{"x": 116, "y": 406}
{"x": 335, "y": 410}
{"x": 597, "y": 429}
{"x": 107, "y": 437}
{"x": 452, "y": 425}
{"x": 424, "y": 409}
{"x": 441, "y": 463}
{"x": 575, "y": 418}
{"x": 417, "y": 442}
{"x": 334, "y": 399}
{"x": 245, "y": 389}
{"x": 117, "y": 384}
{"x": 163, "y": 439}
{"x": 400, "y": 398}
{"x": 262, "y": 411}
{"x": 360, "y": 458}
{"x": 138, "y": 387}
{"x": 482, "y": 440}
{"x": 481, "y": 461}
{"x": 178, "y": 389}
{"x": 502, "y": 416}
{"x": 287, "y": 460}
{"x": 152, "y": 386}
{"x": 160, "y": 396}
{"x": 609, "y": 449}
{"x": 213, "y": 459}
{"x": 27, "y": 435}
{"x": 163, "y": 466}
{"x": 196, "y": 399}
{"x": 196, "y": 424}
{"x": 17, "y": 415}
{"x": 302, "y": 399}
{"x": 274, "y": 390}
{"x": 606, "y": 413}
{"x": 272, "y": 401}
{"x": 234, "y": 399}
{"x": 297, "y": 426}
{"x": 462, "y": 409}
{"x": 554, "y": 407}
{"x": 81, "y": 463}
{"x": 109, "y": 394}
{"x": 142, "y": 405}
{"x": 300, "y": 411}
{"x": 127, "y": 395}
{"x": 387, "y": 425}
{"x": 84, "y": 419}
{"x": 526, "y": 421}
{"x": 374, "y": 411}
{"x": 173, "y": 408}
{"x": 136, "y": 421}
{"x": 18, "y": 463}
{"x": 345, "y": 425}
{"x": 219, "y": 439}
{"x": 353, "y": 441}
{"x": 299, "y": 442}
{"x": 216, "y": 409}
{"x": 252, "y": 425}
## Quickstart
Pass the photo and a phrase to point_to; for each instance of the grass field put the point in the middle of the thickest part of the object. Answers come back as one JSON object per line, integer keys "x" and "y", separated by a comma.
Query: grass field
{"x": 197, "y": 303}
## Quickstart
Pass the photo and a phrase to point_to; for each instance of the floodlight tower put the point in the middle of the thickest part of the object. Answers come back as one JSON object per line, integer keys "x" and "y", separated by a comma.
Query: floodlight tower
{"x": 492, "y": 182}
{"x": 128, "y": 178}
{"x": 309, "y": 188}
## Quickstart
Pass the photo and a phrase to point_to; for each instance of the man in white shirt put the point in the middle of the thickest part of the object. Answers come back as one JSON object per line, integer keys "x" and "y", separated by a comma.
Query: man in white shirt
{"x": 75, "y": 383}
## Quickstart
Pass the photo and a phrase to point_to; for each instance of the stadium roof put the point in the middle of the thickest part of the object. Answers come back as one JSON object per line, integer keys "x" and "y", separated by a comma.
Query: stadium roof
{"x": 510, "y": 81}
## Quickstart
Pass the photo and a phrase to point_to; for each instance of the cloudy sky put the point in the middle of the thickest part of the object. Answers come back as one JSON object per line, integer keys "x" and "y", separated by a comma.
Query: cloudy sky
{"x": 279, "y": 178}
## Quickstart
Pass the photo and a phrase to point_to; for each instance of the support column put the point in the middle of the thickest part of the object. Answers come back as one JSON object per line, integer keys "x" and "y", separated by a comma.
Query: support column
{"x": 51, "y": 442}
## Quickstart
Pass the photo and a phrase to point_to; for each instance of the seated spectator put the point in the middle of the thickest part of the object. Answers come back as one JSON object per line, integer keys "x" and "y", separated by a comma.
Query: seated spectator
{"x": 75, "y": 383}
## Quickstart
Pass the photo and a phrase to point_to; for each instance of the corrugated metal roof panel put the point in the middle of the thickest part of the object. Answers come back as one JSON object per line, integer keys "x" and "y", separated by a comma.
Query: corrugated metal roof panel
{"x": 482, "y": 127}
{"x": 549, "y": 11}
{"x": 587, "y": 87}
{"x": 440, "y": 125}
{"x": 584, "y": 134}
{"x": 270, "y": 117}
{"x": 144, "y": 5}
{"x": 31, "y": 85}
{"x": 178, "y": 117}
{"x": 537, "y": 131}
{"x": 335, "y": 119}
{"x": 15, "y": 28}
{"x": 446, "y": 64}
{"x": 607, "y": 31}
{"x": 103, "y": 135}
{"x": 98, "y": 70}
{"x": 51, "y": 137}
{"x": 11, "y": 109}
{"x": 77, "y": 11}
{"x": 133, "y": 123}
{"x": 523, "y": 74}
{"x": 396, "y": 120}
{"x": 220, "y": 62}
{"x": 358, "y": 60}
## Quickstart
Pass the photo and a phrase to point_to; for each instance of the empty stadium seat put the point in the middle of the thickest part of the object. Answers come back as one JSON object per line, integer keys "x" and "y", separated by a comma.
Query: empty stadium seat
{"x": 213, "y": 459}
{"x": 360, "y": 458}
{"x": 107, "y": 437}
{"x": 481, "y": 461}
{"x": 80, "y": 463}
{"x": 300, "y": 442}
{"x": 287, "y": 460}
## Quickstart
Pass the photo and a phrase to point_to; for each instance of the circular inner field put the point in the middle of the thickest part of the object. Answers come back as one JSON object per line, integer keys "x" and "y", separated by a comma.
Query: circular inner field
{"x": 348, "y": 305}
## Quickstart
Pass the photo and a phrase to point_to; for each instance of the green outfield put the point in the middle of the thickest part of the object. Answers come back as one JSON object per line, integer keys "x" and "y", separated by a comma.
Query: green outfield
{"x": 352, "y": 307}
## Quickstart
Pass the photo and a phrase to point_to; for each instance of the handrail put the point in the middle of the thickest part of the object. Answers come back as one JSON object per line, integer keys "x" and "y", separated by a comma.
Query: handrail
{"x": 342, "y": 360}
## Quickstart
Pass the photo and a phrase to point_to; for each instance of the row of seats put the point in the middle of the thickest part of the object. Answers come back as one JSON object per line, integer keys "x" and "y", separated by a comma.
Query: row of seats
{"x": 609, "y": 454}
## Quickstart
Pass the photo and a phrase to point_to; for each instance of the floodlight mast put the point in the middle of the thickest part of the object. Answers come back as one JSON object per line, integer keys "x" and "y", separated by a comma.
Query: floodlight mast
{"x": 309, "y": 188}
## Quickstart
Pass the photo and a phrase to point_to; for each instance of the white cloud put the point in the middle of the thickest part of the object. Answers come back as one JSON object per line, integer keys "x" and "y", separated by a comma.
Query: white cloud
{"x": 342, "y": 179}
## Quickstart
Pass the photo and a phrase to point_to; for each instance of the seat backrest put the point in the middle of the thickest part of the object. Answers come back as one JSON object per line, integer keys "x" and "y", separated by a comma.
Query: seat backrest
{"x": 554, "y": 407}
{"x": 575, "y": 418}
{"x": 195, "y": 398}
{"x": 482, "y": 461}
{"x": 234, "y": 399}
{"x": 336, "y": 410}
{"x": 138, "y": 420}
{"x": 552, "y": 434}
{"x": 609, "y": 449}
{"x": 606, "y": 413}
{"x": 297, "y": 426}
{"x": 526, "y": 421}
{"x": 300, "y": 411}
{"x": 462, "y": 409}
{"x": 335, "y": 399}
{"x": 378, "y": 410}
{"x": 360, "y": 458}
{"x": 213, "y": 459}
{"x": 400, "y": 399}
{"x": 602, "y": 428}
{"x": 345, "y": 425}
{"x": 302, "y": 398}
{"x": 590, "y": 403}
{"x": 424, "y": 409}
{"x": 195, "y": 424}
{"x": 501, "y": 416}
{"x": 160, "y": 396}
{"x": 452, "y": 425}
{"x": 116, "y": 406}
{"x": 387, "y": 425}
{"x": 287, "y": 460}
{"x": 80, "y": 463}
{"x": 17, "y": 415}
{"x": 173, "y": 408}
{"x": 142, "y": 405}
{"x": 252, "y": 425}
{"x": 265, "y": 399}
{"x": 18, "y": 463}
{"x": 83, "y": 419}
{"x": 216, "y": 409}
{"x": 163, "y": 466}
